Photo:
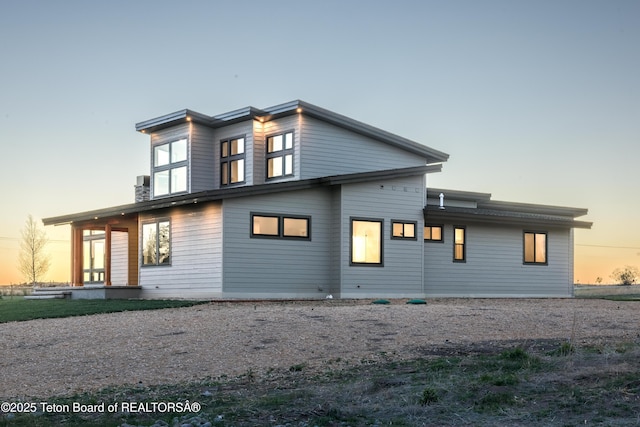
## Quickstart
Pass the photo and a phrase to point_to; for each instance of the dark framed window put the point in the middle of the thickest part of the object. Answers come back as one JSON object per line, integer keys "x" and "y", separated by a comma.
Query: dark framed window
{"x": 535, "y": 248}
{"x": 403, "y": 230}
{"x": 433, "y": 233}
{"x": 459, "y": 244}
{"x": 170, "y": 168}
{"x": 280, "y": 226}
{"x": 156, "y": 243}
{"x": 367, "y": 242}
{"x": 280, "y": 155}
{"x": 232, "y": 158}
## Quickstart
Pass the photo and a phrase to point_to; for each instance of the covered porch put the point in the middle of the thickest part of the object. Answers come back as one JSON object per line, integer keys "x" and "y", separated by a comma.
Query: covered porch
{"x": 104, "y": 254}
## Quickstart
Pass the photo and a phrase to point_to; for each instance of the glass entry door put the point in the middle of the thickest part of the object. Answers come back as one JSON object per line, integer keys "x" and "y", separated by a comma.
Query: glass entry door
{"x": 93, "y": 254}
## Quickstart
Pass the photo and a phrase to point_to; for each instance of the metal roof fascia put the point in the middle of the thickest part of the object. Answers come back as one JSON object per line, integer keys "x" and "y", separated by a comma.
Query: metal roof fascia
{"x": 383, "y": 174}
{"x": 533, "y": 208}
{"x": 172, "y": 119}
{"x": 183, "y": 200}
{"x": 457, "y": 195}
{"x": 442, "y": 215}
{"x": 345, "y": 122}
{"x": 468, "y": 215}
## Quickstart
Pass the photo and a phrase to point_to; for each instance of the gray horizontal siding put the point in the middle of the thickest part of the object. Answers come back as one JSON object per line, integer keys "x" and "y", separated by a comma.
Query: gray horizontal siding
{"x": 202, "y": 164}
{"x": 494, "y": 266}
{"x": 330, "y": 150}
{"x": 259, "y": 267}
{"x": 119, "y": 258}
{"x": 402, "y": 273}
{"x": 196, "y": 255}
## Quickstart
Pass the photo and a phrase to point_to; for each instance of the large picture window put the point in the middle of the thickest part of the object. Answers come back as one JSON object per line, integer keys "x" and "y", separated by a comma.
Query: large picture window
{"x": 170, "y": 168}
{"x": 366, "y": 241}
{"x": 280, "y": 155}
{"x": 232, "y": 161}
{"x": 156, "y": 243}
{"x": 280, "y": 226}
{"x": 535, "y": 247}
{"x": 459, "y": 244}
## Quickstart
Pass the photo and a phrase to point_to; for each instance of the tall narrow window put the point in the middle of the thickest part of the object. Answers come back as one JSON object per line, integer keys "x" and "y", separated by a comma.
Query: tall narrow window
{"x": 459, "y": 244}
{"x": 280, "y": 155}
{"x": 170, "y": 168}
{"x": 156, "y": 239}
{"x": 535, "y": 248}
{"x": 232, "y": 161}
{"x": 366, "y": 241}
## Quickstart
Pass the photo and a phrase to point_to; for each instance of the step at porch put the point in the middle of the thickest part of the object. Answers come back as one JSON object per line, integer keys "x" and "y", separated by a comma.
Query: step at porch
{"x": 40, "y": 293}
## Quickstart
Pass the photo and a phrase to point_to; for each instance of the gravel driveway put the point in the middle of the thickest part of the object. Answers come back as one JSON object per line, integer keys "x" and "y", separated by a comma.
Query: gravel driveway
{"x": 42, "y": 358}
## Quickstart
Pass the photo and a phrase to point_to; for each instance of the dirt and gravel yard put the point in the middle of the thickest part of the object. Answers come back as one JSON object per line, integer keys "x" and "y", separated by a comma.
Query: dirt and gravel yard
{"x": 49, "y": 357}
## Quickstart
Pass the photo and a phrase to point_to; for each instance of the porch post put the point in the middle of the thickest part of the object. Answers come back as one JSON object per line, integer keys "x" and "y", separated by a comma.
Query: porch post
{"x": 76, "y": 256}
{"x": 107, "y": 255}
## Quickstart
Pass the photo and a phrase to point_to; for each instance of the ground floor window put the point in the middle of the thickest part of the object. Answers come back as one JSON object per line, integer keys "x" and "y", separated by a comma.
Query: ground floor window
{"x": 366, "y": 241}
{"x": 156, "y": 243}
{"x": 93, "y": 252}
{"x": 459, "y": 244}
{"x": 433, "y": 233}
{"x": 535, "y": 247}
{"x": 281, "y": 226}
{"x": 403, "y": 230}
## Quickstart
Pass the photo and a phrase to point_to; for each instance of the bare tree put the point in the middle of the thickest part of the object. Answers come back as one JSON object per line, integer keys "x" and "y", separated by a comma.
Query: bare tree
{"x": 627, "y": 275}
{"x": 34, "y": 262}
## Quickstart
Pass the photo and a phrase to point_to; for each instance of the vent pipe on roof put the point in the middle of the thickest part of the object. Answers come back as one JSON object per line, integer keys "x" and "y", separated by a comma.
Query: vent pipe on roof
{"x": 441, "y": 200}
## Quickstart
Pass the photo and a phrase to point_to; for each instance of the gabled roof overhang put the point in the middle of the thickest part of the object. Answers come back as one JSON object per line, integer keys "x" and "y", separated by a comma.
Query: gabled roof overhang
{"x": 287, "y": 109}
{"x": 246, "y": 191}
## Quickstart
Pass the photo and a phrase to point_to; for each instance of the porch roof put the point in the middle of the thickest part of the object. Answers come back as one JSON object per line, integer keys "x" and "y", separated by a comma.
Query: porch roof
{"x": 227, "y": 193}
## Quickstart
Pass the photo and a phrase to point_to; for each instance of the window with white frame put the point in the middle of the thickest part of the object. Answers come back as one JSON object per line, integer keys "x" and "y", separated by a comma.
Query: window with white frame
{"x": 280, "y": 155}
{"x": 232, "y": 161}
{"x": 170, "y": 168}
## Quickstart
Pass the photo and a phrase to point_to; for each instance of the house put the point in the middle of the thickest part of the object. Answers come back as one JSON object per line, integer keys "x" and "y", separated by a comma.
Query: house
{"x": 295, "y": 201}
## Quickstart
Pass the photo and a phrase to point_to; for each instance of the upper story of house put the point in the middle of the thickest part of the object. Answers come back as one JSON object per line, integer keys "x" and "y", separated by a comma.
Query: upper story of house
{"x": 193, "y": 152}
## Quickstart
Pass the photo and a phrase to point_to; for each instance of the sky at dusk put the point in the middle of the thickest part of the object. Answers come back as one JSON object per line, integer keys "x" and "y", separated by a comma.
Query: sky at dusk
{"x": 535, "y": 101}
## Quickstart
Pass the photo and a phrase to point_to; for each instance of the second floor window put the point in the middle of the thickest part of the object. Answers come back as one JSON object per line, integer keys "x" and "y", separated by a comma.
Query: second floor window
{"x": 231, "y": 161}
{"x": 280, "y": 155}
{"x": 433, "y": 233}
{"x": 170, "y": 168}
